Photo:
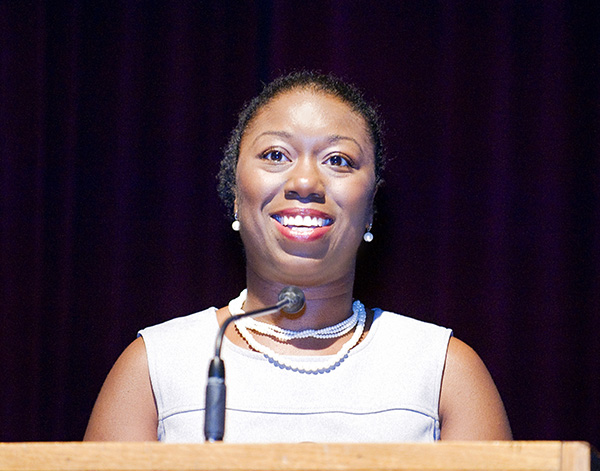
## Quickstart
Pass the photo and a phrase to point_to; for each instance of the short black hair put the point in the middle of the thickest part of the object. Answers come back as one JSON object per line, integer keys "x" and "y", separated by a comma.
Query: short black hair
{"x": 308, "y": 80}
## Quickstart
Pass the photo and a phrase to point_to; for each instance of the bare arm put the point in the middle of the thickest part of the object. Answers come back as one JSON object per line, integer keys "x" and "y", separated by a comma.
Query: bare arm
{"x": 125, "y": 409}
{"x": 470, "y": 405}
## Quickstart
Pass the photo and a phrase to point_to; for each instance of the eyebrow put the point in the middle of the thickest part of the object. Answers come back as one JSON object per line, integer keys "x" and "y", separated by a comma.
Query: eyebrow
{"x": 331, "y": 139}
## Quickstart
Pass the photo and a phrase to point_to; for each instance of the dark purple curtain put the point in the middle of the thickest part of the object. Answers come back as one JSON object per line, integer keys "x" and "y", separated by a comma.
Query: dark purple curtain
{"x": 112, "y": 120}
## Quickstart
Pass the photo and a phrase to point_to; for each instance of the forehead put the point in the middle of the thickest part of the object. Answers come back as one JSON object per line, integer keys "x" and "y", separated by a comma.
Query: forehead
{"x": 311, "y": 109}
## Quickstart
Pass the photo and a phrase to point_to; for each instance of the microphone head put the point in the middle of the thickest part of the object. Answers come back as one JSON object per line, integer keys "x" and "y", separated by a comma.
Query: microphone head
{"x": 294, "y": 297}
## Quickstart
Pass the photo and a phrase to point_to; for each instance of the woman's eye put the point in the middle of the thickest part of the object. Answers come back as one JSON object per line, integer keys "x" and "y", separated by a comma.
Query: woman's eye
{"x": 338, "y": 160}
{"x": 274, "y": 156}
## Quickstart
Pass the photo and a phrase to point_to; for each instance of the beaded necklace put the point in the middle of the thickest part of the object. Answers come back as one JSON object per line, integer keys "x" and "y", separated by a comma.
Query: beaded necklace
{"x": 285, "y": 335}
{"x": 357, "y": 319}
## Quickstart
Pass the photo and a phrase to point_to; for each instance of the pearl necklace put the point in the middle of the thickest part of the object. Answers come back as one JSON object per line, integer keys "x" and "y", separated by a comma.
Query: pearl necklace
{"x": 358, "y": 309}
{"x": 285, "y": 335}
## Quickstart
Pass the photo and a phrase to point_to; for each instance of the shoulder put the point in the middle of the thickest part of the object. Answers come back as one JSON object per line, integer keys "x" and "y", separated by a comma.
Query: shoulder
{"x": 125, "y": 408}
{"x": 180, "y": 337}
{"x": 410, "y": 337}
{"x": 470, "y": 405}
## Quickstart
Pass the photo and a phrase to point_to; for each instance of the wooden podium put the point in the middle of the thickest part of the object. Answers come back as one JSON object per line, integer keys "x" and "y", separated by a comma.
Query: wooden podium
{"x": 441, "y": 456}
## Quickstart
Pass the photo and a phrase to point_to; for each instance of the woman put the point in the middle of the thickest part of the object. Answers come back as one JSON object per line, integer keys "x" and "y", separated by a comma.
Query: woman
{"x": 300, "y": 174}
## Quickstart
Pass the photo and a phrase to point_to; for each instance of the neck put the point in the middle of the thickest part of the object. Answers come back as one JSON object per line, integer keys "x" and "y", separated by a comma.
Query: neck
{"x": 326, "y": 304}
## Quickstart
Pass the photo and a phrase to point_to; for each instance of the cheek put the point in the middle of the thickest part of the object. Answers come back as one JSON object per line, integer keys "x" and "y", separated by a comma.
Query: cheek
{"x": 254, "y": 189}
{"x": 356, "y": 198}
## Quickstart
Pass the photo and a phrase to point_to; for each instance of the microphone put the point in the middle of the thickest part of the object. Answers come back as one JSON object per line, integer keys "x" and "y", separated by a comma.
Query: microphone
{"x": 290, "y": 300}
{"x": 294, "y": 297}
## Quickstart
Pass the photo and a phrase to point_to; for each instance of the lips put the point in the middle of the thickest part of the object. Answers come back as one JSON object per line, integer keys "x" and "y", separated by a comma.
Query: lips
{"x": 302, "y": 224}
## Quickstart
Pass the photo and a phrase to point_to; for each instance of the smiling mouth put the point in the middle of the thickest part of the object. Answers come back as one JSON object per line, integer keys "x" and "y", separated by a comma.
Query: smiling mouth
{"x": 300, "y": 221}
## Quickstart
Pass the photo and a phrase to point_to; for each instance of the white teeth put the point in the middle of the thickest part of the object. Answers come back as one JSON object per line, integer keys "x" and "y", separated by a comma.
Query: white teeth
{"x": 300, "y": 221}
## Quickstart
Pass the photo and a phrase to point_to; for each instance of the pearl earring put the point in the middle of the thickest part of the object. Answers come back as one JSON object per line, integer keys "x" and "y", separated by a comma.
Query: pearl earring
{"x": 235, "y": 225}
{"x": 368, "y": 236}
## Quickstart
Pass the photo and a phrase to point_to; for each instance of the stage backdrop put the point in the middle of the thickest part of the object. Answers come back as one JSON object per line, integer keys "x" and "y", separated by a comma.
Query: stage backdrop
{"x": 112, "y": 120}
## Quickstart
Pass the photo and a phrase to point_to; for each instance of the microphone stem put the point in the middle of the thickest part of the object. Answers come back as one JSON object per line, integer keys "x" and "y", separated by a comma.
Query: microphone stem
{"x": 214, "y": 414}
{"x": 230, "y": 319}
{"x": 214, "y": 420}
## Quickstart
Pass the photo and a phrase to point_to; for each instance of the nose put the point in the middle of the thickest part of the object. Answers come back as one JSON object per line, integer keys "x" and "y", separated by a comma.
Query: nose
{"x": 305, "y": 181}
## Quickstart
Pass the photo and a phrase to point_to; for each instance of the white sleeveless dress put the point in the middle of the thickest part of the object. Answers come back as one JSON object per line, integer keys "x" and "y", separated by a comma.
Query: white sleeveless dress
{"x": 386, "y": 390}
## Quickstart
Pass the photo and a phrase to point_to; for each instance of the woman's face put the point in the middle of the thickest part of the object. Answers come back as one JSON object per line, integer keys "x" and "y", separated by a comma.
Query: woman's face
{"x": 305, "y": 184}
